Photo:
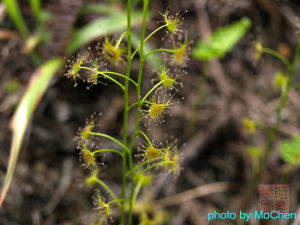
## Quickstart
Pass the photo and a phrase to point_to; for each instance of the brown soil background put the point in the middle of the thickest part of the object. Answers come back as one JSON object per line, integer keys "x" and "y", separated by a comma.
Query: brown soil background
{"x": 48, "y": 184}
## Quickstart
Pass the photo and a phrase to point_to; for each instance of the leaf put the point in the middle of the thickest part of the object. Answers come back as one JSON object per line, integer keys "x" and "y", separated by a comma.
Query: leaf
{"x": 290, "y": 150}
{"x": 36, "y": 9}
{"x": 16, "y": 16}
{"x": 35, "y": 90}
{"x": 100, "y": 8}
{"x": 100, "y": 27}
{"x": 221, "y": 41}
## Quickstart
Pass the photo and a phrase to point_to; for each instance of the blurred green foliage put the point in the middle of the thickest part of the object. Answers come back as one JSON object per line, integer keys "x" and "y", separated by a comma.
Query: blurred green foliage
{"x": 12, "y": 86}
{"x": 290, "y": 150}
{"x": 221, "y": 41}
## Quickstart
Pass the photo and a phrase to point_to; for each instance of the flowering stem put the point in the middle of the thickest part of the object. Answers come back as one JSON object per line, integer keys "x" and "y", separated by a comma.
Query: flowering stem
{"x": 109, "y": 137}
{"x": 145, "y": 12}
{"x": 112, "y": 194}
{"x": 149, "y": 36}
{"x": 108, "y": 150}
{"x": 125, "y": 123}
{"x": 269, "y": 145}
{"x": 160, "y": 50}
{"x": 283, "y": 99}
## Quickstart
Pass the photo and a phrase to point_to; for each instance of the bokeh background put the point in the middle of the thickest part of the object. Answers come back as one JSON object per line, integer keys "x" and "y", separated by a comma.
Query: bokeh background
{"x": 48, "y": 184}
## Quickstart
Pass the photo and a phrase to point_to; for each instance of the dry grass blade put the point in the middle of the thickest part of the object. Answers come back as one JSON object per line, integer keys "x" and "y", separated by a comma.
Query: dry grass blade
{"x": 35, "y": 90}
{"x": 193, "y": 193}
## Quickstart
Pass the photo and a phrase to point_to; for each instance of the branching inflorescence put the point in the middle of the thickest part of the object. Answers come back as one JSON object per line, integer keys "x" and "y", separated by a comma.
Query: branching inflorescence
{"x": 155, "y": 104}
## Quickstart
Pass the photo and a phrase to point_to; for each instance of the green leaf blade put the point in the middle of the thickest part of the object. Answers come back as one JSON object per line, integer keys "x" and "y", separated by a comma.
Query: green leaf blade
{"x": 221, "y": 41}
{"x": 101, "y": 27}
{"x": 35, "y": 90}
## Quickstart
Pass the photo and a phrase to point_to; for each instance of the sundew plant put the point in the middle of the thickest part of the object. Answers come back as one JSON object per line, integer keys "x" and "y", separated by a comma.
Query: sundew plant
{"x": 151, "y": 106}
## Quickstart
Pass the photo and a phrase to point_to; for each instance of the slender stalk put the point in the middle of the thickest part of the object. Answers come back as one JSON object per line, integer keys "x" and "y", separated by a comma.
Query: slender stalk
{"x": 108, "y": 150}
{"x": 110, "y": 72}
{"x": 149, "y": 36}
{"x": 112, "y": 194}
{"x": 125, "y": 125}
{"x": 152, "y": 89}
{"x": 150, "y": 167}
{"x": 141, "y": 164}
{"x": 121, "y": 75}
{"x": 277, "y": 55}
{"x": 136, "y": 103}
{"x": 136, "y": 191}
{"x": 145, "y": 13}
{"x": 120, "y": 39}
{"x": 113, "y": 80}
{"x": 115, "y": 201}
{"x": 160, "y": 50}
{"x": 111, "y": 138}
{"x": 269, "y": 145}
{"x": 132, "y": 105}
{"x": 149, "y": 142}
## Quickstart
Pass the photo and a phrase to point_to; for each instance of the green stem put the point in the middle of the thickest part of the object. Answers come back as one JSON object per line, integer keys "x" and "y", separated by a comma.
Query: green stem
{"x": 136, "y": 191}
{"x": 269, "y": 145}
{"x": 111, "y": 138}
{"x": 136, "y": 103}
{"x": 108, "y": 150}
{"x": 116, "y": 201}
{"x": 109, "y": 72}
{"x": 132, "y": 105}
{"x": 150, "y": 35}
{"x": 121, "y": 75}
{"x": 125, "y": 123}
{"x": 160, "y": 50}
{"x": 112, "y": 194}
{"x": 141, "y": 165}
{"x": 120, "y": 39}
{"x": 145, "y": 13}
{"x": 149, "y": 142}
{"x": 152, "y": 89}
{"x": 113, "y": 80}
{"x": 150, "y": 167}
{"x": 277, "y": 55}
